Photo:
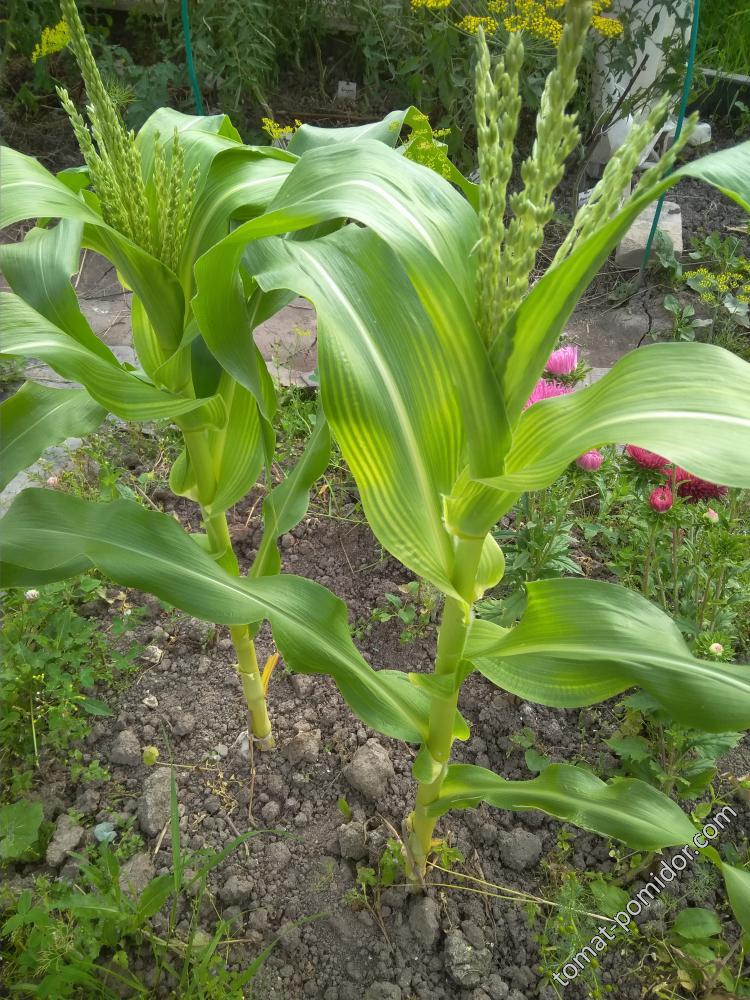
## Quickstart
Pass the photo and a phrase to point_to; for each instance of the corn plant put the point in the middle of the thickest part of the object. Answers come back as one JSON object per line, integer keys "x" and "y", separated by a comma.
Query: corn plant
{"x": 153, "y": 204}
{"x": 430, "y": 342}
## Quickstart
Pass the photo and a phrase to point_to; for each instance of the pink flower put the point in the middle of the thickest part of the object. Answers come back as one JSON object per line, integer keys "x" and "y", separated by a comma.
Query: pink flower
{"x": 590, "y": 461}
{"x": 716, "y": 648}
{"x": 646, "y": 459}
{"x": 563, "y": 361}
{"x": 545, "y": 390}
{"x": 661, "y": 499}
{"x": 693, "y": 488}
{"x": 711, "y": 515}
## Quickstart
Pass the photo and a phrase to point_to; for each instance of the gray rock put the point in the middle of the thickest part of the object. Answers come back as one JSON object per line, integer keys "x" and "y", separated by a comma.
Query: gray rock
{"x": 236, "y": 891}
{"x": 519, "y": 849}
{"x": 302, "y": 684}
{"x": 126, "y": 749}
{"x": 222, "y": 750}
{"x": 496, "y": 987}
{"x": 466, "y": 965}
{"x": 384, "y": 991}
{"x": 136, "y": 873}
{"x": 424, "y": 921}
{"x": 278, "y": 854}
{"x": 67, "y": 836}
{"x": 154, "y": 805}
{"x": 370, "y": 770}
{"x": 629, "y": 253}
{"x": 303, "y": 747}
{"x": 183, "y": 723}
{"x": 352, "y": 841}
{"x": 270, "y": 812}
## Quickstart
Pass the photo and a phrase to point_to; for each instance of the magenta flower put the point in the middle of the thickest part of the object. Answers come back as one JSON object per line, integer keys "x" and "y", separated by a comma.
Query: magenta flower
{"x": 711, "y": 515}
{"x": 693, "y": 488}
{"x": 545, "y": 389}
{"x": 590, "y": 461}
{"x": 661, "y": 499}
{"x": 646, "y": 459}
{"x": 563, "y": 361}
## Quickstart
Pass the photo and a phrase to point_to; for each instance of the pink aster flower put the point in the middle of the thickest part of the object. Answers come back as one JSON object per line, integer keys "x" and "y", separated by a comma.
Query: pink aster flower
{"x": 711, "y": 515}
{"x": 590, "y": 461}
{"x": 563, "y": 361}
{"x": 661, "y": 499}
{"x": 545, "y": 389}
{"x": 646, "y": 459}
{"x": 693, "y": 488}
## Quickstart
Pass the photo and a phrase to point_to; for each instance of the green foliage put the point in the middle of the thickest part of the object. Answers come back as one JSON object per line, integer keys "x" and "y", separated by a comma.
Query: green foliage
{"x": 415, "y": 607}
{"x": 724, "y": 38}
{"x": 20, "y": 824}
{"x": 64, "y": 940}
{"x": 53, "y": 659}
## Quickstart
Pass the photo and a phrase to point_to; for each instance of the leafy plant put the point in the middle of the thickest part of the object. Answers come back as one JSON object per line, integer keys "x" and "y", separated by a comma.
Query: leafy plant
{"x": 60, "y": 939}
{"x": 52, "y": 658}
{"x": 20, "y": 823}
{"x": 430, "y": 344}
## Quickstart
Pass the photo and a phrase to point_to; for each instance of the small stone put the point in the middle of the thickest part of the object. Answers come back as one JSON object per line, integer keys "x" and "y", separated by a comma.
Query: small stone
{"x": 303, "y": 747}
{"x": 67, "y": 836}
{"x": 222, "y": 750}
{"x": 466, "y": 965}
{"x": 302, "y": 684}
{"x": 236, "y": 890}
{"x": 496, "y": 987}
{"x": 278, "y": 855}
{"x": 384, "y": 991}
{"x": 352, "y": 841}
{"x": 370, "y": 770}
{"x": 183, "y": 723}
{"x": 520, "y": 848}
{"x": 126, "y": 749}
{"x": 136, "y": 873}
{"x": 270, "y": 812}
{"x": 212, "y": 805}
{"x": 151, "y": 701}
{"x": 152, "y": 654}
{"x": 287, "y": 542}
{"x": 104, "y": 833}
{"x": 424, "y": 921}
{"x": 154, "y": 806}
{"x": 629, "y": 253}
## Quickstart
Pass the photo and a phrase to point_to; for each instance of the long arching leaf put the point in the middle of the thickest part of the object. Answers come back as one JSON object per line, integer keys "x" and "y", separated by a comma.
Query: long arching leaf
{"x": 581, "y": 641}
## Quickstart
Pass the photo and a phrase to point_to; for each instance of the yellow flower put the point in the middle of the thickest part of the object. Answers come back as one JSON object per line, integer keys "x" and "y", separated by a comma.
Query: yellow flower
{"x": 53, "y": 39}
{"x": 472, "y": 24}
{"x": 607, "y": 26}
{"x": 275, "y": 131}
{"x": 431, "y": 4}
{"x": 497, "y": 6}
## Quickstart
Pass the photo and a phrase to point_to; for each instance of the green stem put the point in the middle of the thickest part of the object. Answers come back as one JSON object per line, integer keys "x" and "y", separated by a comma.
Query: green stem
{"x": 220, "y": 546}
{"x": 450, "y": 647}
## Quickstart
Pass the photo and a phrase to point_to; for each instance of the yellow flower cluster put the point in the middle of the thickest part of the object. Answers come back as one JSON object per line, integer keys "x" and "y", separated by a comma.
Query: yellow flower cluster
{"x": 712, "y": 288}
{"x": 607, "y": 26}
{"x": 473, "y": 24}
{"x": 534, "y": 17}
{"x": 53, "y": 39}
{"x": 431, "y": 4}
{"x": 276, "y": 131}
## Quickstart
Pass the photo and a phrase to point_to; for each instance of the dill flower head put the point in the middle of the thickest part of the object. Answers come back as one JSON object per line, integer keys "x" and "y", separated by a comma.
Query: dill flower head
{"x": 431, "y": 4}
{"x": 609, "y": 27}
{"x": 53, "y": 39}
{"x": 472, "y": 24}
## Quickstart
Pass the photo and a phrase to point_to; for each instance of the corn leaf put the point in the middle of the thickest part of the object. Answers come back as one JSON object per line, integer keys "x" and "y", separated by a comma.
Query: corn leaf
{"x": 36, "y": 417}
{"x": 581, "y": 641}
{"x": 624, "y": 808}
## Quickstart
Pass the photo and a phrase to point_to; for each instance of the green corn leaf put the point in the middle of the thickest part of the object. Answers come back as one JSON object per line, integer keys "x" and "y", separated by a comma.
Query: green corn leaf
{"x": 28, "y": 191}
{"x": 624, "y": 808}
{"x": 38, "y": 270}
{"x": 387, "y": 131}
{"x": 27, "y": 333}
{"x": 36, "y": 417}
{"x": 46, "y": 533}
{"x": 390, "y": 402}
{"x": 536, "y": 325}
{"x": 688, "y": 402}
{"x": 430, "y": 229}
{"x": 581, "y": 641}
{"x": 737, "y": 881}
{"x": 236, "y": 449}
{"x": 286, "y": 504}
